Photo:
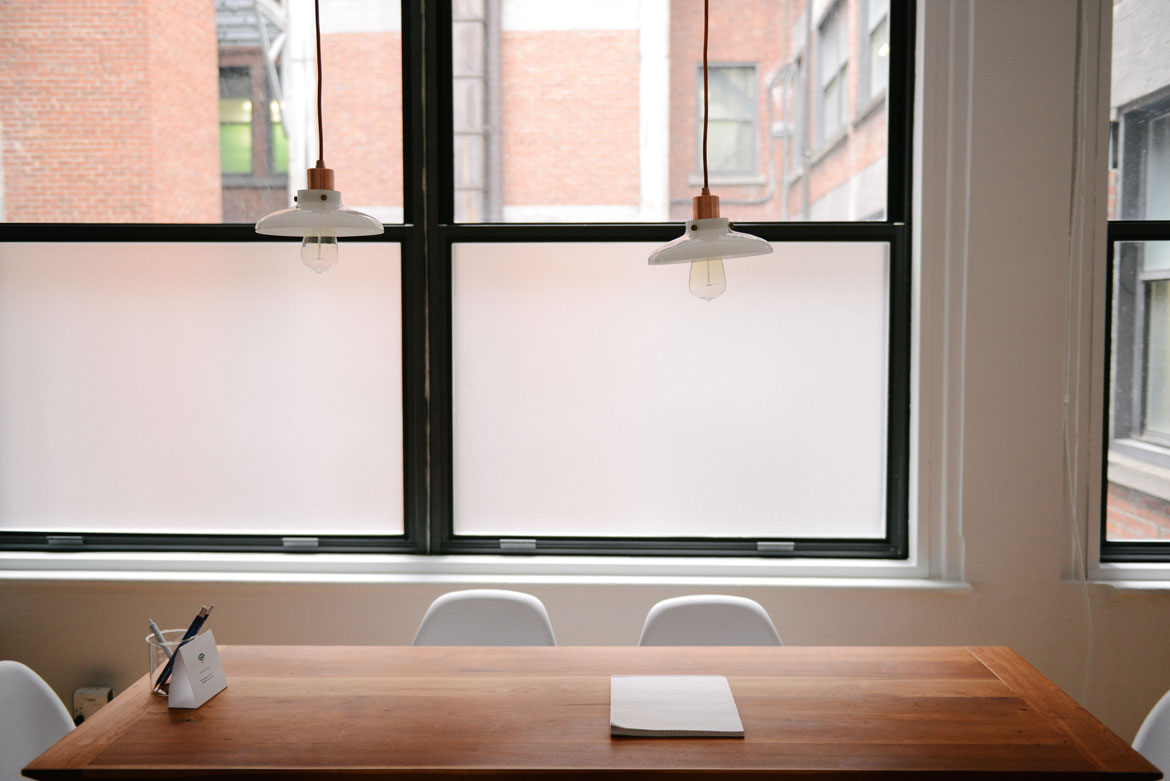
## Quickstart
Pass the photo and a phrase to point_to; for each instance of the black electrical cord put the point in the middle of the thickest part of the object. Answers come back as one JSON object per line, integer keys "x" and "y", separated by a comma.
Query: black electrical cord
{"x": 706, "y": 10}
{"x": 320, "y": 124}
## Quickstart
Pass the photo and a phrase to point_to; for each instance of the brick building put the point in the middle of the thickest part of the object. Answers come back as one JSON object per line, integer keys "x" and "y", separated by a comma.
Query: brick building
{"x": 563, "y": 111}
{"x": 592, "y": 112}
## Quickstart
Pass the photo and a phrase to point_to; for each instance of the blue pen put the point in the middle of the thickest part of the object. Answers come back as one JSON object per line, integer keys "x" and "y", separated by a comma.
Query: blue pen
{"x": 192, "y": 630}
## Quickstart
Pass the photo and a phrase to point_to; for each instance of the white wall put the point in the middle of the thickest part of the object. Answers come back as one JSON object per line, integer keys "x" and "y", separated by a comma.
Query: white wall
{"x": 1010, "y": 510}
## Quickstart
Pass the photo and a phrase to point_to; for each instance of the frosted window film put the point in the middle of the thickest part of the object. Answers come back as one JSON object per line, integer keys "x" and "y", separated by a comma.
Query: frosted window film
{"x": 593, "y": 395}
{"x": 199, "y": 388}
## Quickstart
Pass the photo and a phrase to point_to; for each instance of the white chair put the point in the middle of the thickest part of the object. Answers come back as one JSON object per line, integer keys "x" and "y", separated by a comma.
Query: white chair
{"x": 485, "y": 617}
{"x": 1153, "y": 738}
{"x": 32, "y": 718}
{"x": 708, "y": 619}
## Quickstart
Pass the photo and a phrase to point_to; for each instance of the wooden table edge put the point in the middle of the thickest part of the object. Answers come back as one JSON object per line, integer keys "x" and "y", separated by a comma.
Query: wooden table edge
{"x": 1100, "y": 745}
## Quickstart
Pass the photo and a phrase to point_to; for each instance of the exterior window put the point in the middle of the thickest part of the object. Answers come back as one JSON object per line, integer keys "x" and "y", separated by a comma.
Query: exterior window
{"x": 279, "y": 138}
{"x": 833, "y": 59}
{"x": 733, "y": 101}
{"x": 1136, "y": 523}
{"x": 875, "y": 47}
{"x": 235, "y": 121}
{"x": 454, "y": 386}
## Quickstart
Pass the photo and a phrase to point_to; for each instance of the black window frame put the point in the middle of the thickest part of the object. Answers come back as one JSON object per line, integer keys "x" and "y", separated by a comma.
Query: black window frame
{"x": 444, "y": 233}
{"x": 1125, "y": 328}
{"x": 427, "y": 236}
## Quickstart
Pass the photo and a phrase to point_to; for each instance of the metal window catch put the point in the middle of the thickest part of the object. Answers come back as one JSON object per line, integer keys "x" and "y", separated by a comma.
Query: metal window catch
{"x": 64, "y": 540}
{"x": 775, "y": 547}
{"x": 299, "y": 543}
{"x": 518, "y": 545}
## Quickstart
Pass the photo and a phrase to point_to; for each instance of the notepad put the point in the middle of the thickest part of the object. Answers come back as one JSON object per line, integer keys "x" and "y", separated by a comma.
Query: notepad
{"x": 672, "y": 706}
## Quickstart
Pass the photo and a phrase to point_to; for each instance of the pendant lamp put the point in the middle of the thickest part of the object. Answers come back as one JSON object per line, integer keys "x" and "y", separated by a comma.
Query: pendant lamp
{"x": 318, "y": 216}
{"x": 708, "y": 238}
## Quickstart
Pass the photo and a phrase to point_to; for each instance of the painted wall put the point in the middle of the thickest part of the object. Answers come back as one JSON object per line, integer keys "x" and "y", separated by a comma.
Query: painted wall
{"x": 1106, "y": 646}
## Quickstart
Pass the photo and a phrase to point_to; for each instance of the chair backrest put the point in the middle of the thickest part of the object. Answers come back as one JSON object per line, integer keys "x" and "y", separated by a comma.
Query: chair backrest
{"x": 1153, "y": 739}
{"x": 485, "y": 617}
{"x": 708, "y": 619}
{"x": 32, "y": 718}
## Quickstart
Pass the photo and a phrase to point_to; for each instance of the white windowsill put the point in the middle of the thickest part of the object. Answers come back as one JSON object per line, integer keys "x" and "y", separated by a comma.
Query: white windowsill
{"x": 379, "y": 568}
{"x": 1123, "y": 586}
{"x": 1131, "y": 576}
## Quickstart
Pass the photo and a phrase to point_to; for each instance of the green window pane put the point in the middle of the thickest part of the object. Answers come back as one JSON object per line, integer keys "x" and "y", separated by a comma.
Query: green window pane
{"x": 235, "y": 110}
{"x": 279, "y": 149}
{"x": 235, "y": 148}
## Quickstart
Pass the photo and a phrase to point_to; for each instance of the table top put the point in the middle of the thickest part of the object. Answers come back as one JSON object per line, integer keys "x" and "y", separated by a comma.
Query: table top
{"x": 341, "y": 711}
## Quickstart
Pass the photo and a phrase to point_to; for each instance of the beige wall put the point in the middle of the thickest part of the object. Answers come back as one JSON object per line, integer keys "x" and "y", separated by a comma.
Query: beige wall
{"x": 1013, "y": 526}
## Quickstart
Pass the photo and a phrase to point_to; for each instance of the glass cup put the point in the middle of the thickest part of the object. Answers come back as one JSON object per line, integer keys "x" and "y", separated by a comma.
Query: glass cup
{"x": 159, "y": 653}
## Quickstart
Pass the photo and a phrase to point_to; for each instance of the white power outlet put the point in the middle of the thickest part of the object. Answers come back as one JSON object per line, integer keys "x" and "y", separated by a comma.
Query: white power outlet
{"x": 88, "y": 699}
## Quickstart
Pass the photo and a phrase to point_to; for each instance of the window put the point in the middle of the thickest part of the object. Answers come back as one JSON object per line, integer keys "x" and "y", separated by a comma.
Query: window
{"x": 501, "y": 371}
{"x": 833, "y": 59}
{"x": 875, "y": 48}
{"x": 1136, "y": 522}
{"x": 235, "y": 121}
{"x": 731, "y": 129}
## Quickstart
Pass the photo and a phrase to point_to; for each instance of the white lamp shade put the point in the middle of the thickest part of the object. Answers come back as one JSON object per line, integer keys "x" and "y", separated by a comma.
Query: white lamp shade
{"x": 709, "y": 238}
{"x": 317, "y": 210}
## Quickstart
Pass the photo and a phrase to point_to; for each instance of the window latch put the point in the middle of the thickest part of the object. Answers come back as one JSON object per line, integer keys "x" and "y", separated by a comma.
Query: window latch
{"x": 299, "y": 543}
{"x": 64, "y": 540}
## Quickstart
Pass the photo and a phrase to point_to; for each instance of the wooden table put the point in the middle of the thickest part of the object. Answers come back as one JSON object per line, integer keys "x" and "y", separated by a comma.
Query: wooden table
{"x": 331, "y": 712}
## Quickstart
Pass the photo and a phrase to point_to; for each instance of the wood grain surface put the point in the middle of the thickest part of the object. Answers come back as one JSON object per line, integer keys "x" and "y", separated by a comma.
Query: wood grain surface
{"x": 338, "y": 712}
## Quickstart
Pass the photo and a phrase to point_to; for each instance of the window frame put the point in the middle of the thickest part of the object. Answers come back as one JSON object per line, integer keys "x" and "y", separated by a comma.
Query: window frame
{"x": 753, "y": 122}
{"x": 427, "y": 236}
{"x": 443, "y": 233}
{"x": 1125, "y": 315}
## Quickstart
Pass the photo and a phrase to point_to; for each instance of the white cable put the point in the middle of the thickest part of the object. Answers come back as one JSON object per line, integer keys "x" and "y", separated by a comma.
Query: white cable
{"x": 1073, "y": 344}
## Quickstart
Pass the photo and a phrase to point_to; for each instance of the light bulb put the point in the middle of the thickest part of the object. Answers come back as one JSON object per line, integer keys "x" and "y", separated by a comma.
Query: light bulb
{"x": 707, "y": 278}
{"x": 319, "y": 249}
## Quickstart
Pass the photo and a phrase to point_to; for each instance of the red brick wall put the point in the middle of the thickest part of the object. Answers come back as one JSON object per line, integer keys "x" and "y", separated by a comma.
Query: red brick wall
{"x": 183, "y": 111}
{"x": 110, "y": 111}
{"x": 756, "y": 31}
{"x": 570, "y": 116}
{"x": 1133, "y": 515}
{"x": 363, "y": 116}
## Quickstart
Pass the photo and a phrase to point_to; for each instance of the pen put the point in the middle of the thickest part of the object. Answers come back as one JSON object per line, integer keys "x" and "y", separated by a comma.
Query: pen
{"x": 158, "y": 636}
{"x": 192, "y": 630}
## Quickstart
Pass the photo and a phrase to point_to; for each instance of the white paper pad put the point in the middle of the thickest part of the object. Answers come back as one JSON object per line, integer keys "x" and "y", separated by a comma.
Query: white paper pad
{"x": 672, "y": 706}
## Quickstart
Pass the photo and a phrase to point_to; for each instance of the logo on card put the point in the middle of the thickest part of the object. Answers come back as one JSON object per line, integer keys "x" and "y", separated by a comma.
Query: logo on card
{"x": 202, "y": 656}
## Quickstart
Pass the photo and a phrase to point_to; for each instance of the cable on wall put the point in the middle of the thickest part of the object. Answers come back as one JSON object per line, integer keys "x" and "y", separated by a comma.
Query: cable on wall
{"x": 1073, "y": 342}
